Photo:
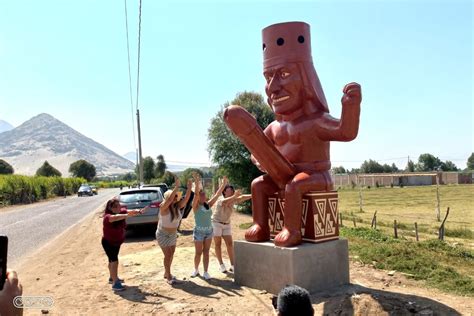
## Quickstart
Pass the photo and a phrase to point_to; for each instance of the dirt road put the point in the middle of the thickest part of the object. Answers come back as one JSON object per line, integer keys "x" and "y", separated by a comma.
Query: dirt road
{"x": 73, "y": 271}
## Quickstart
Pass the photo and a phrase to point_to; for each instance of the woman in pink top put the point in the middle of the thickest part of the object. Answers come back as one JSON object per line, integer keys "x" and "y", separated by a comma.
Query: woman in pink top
{"x": 113, "y": 237}
{"x": 169, "y": 218}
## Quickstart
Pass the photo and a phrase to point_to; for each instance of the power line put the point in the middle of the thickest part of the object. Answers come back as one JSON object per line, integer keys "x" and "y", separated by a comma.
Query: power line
{"x": 130, "y": 75}
{"x": 139, "y": 44}
{"x": 189, "y": 162}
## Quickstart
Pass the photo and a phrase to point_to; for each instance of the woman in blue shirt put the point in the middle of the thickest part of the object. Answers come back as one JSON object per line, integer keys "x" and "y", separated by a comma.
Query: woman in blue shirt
{"x": 202, "y": 232}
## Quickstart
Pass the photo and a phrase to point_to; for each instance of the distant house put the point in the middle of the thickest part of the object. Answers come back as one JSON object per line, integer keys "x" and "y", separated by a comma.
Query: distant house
{"x": 405, "y": 179}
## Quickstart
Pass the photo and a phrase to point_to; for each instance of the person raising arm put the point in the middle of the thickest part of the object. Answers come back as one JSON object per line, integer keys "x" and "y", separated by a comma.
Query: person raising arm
{"x": 169, "y": 217}
{"x": 202, "y": 232}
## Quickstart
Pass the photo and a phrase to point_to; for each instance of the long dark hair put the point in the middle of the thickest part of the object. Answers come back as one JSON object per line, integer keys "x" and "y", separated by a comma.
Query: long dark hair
{"x": 109, "y": 205}
{"x": 226, "y": 187}
{"x": 108, "y": 210}
{"x": 206, "y": 206}
{"x": 174, "y": 210}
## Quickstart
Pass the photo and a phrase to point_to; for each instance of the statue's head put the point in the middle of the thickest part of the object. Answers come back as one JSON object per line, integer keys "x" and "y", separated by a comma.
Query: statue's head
{"x": 292, "y": 83}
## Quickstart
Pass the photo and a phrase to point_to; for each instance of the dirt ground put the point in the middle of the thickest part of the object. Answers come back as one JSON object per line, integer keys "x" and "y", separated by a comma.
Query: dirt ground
{"x": 72, "y": 269}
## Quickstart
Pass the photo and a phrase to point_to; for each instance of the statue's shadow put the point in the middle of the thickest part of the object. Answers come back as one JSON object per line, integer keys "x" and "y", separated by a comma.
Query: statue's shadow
{"x": 359, "y": 300}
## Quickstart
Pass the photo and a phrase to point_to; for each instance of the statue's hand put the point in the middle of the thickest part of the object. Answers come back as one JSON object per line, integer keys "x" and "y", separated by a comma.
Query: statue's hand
{"x": 352, "y": 94}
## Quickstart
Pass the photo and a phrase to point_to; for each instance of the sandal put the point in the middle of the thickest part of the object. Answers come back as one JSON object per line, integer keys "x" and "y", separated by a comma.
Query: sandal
{"x": 174, "y": 280}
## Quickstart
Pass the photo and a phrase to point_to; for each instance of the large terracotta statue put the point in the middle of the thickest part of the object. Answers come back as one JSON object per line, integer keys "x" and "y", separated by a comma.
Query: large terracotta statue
{"x": 293, "y": 150}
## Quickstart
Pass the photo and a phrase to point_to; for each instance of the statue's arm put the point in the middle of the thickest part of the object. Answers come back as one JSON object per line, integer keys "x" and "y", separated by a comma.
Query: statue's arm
{"x": 345, "y": 129}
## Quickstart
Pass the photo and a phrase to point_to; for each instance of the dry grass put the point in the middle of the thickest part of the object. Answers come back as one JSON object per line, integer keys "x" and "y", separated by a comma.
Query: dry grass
{"x": 413, "y": 204}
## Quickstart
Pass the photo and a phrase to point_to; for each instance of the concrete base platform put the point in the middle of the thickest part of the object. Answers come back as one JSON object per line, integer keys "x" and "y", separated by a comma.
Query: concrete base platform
{"x": 315, "y": 267}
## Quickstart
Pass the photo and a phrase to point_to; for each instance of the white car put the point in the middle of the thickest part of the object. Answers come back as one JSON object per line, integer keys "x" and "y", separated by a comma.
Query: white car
{"x": 136, "y": 199}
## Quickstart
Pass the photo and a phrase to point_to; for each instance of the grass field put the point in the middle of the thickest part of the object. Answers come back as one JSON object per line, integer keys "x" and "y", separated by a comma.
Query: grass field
{"x": 440, "y": 264}
{"x": 408, "y": 205}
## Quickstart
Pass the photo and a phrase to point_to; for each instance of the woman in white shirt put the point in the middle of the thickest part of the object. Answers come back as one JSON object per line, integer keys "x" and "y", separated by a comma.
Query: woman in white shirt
{"x": 169, "y": 218}
{"x": 221, "y": 223}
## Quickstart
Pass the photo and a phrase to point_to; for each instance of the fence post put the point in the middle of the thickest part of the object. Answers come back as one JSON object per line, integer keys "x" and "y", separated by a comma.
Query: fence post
{"x": 395, "y": 228}
{"x": 354, "y": 220}
{"x": 441, "y": 228}
{"x": 416, "y": 231}
{"x": 438, "y": 212}
{"x": 374, "y": 221}
{"x": 360, "y": 194}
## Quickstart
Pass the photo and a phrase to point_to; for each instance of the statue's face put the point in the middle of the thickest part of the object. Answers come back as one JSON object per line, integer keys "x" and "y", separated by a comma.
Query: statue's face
{"x": 284, "y": 88}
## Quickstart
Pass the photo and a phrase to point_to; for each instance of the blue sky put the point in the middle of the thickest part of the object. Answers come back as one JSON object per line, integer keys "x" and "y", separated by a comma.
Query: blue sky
{"x": 69, "y": 59}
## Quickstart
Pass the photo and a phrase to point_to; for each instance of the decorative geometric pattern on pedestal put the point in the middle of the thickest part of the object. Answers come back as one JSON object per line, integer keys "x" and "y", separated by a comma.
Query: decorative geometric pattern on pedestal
{"x": 319, "y": 216}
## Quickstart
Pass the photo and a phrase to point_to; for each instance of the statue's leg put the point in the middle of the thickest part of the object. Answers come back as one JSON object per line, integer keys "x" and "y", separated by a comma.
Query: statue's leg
{"x": 301, "y": 184}
{"x": 262, "y": 187}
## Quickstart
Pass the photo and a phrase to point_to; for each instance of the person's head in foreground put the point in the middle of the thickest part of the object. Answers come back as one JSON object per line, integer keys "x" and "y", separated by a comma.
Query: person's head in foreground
{"x": 294, "y": 300}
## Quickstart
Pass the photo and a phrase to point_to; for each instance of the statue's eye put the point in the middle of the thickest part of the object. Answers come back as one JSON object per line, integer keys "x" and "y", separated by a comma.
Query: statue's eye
{"x": 285, "y": 74}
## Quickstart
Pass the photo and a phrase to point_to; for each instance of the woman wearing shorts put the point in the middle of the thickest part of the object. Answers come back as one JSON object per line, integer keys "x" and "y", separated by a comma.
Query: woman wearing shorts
{"x": 113, "y": 237}
{"x": 169, "y": 218}
{"x": 221, "y": 226}
{"x": 202, "y": 232}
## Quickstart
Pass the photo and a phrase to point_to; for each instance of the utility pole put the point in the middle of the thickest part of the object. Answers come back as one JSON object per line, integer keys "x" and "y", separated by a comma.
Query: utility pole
{"x": 140, "y": 156}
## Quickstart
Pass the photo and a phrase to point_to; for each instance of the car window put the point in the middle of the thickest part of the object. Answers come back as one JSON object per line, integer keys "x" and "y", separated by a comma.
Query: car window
{"x": 140, "y": 196}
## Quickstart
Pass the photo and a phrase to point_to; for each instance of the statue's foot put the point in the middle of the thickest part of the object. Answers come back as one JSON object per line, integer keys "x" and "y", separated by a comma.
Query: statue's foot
{"x": 288, "y": 238}
{"x": 257, "y": 233}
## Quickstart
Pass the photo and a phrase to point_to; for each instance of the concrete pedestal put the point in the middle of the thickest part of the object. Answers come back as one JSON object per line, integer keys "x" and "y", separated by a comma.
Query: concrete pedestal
{"x": 315, "y": 267}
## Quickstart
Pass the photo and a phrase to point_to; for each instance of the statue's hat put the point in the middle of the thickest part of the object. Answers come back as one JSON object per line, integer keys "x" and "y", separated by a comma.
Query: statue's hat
{"x": 286, "y": 42}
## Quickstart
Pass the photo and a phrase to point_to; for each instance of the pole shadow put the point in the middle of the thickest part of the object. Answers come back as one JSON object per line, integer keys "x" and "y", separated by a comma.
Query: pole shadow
{"x": 356, "y": 300}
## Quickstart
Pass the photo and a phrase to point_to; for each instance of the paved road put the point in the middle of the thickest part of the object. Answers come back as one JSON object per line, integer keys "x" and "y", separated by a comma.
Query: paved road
{"x": 30, "y": 227}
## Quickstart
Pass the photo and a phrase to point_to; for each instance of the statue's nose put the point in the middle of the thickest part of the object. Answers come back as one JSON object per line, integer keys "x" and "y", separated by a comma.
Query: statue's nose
{"x": 274, "y": 85}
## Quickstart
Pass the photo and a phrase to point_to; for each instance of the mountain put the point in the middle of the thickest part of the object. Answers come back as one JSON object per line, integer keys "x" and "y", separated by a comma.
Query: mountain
{"x": 5, "y": 126}
{"x": 43, "y": 137}
{"x": 131, "y": 155}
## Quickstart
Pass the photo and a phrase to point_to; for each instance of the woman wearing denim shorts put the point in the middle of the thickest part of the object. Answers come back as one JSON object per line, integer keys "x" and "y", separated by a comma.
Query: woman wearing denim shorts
{"x": 202, "y": 232}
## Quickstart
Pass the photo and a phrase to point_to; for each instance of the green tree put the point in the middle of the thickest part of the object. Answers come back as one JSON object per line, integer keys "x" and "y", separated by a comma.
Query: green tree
{"x": 394, "y": 168}
{"x": 46, "y": 170}
{"x": 160, "y": 167}
{"x": 82, "y": 169}
{"x": 371, "y": 166}
{"x": 428, "y": 162}
{"x": 187, "y": 174}
{"x": 339, "y": 169}
{"x": 410, "y": 166}
{"x": 386, "y": 168}
{"x": 129, "y": 177}
{"x": 448, "y": 166}
{"x": 470, "y": 162}
{"x": 226, "y": 150}
{"x": 148, "y": 169}
{"x": 5, "y": 167}
{"x": 168, "y": 178}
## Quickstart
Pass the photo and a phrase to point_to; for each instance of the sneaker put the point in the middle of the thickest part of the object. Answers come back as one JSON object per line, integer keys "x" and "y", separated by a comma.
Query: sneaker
{"x": 222, "y": 268}
{"x": 206, "y": 276}
{"x": 118, "y": 286}
{"x": 195, "y": 274}
{"x": 231, "y": 269}
{"x": 112, "y": 281}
